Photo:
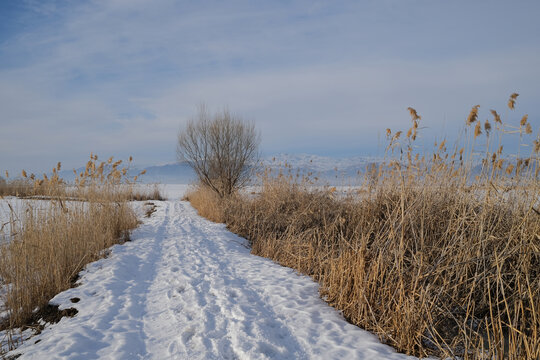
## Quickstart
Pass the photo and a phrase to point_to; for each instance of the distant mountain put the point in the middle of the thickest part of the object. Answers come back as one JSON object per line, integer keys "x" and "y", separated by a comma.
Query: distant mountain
{"x": 326, "y": 169}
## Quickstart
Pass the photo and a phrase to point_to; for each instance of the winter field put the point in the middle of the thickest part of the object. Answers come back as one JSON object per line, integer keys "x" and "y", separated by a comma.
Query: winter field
{"x": 187, "y": 288}
{"x": 433, "y": 255}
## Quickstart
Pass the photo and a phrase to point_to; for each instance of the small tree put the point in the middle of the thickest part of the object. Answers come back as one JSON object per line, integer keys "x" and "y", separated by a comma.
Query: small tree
{"x": 222, "y": 150}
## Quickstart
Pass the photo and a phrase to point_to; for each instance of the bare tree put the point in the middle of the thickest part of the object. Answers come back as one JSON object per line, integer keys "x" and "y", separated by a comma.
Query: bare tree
{"x": 222, "y": 149}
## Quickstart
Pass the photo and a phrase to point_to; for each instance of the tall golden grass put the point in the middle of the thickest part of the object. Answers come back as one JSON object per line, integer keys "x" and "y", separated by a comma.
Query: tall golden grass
{"x": 437, "y": 255}
{"x": 107, "y": 179}
{"x": 207, "y": 202}
{"x": 50, "y": 244}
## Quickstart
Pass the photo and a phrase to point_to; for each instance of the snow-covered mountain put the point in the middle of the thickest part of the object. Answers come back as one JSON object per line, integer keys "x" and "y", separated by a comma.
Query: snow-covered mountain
{"x": 325, "y": 168}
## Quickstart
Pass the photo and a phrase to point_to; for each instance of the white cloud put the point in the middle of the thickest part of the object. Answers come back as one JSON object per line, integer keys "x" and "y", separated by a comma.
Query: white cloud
{"x": 118, "y": 77}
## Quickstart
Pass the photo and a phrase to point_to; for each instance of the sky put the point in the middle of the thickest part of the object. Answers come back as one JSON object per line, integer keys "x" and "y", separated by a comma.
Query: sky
{"x": 120, "y": 77}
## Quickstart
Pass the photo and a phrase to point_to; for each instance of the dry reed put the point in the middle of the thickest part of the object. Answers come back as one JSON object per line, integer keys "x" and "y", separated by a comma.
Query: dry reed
{"x": 433, "y": 257}
{"x": 207, "y": 202}
{"x": 49, "y": 245}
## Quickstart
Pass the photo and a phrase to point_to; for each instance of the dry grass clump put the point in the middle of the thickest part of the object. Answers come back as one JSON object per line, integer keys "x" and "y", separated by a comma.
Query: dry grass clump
{"x": 48, "y": 245}
{"x": 207, "y": 202}
{"x": 425, "y": 269}
{"x": 99, "y": 179}
{"x": 438, "y": 255}
{"x": 29, "y": 185}
{"x": 14, "y": 188}
{"x": 144, "y": 193}
{"x": 52, "y": 246}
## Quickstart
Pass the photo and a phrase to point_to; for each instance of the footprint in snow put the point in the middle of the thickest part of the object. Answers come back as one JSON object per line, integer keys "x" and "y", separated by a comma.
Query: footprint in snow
{"x": 188, "y": 334}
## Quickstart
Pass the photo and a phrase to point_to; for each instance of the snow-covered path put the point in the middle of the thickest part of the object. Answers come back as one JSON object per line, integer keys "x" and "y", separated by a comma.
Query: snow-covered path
{"x": 186, "y": 288}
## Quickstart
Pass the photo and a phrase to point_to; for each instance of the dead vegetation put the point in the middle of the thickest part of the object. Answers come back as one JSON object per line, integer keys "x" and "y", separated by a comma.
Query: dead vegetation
{"x": 100, "y": 179}
{"x": 149, "y": 209}
{"x": 50, "y": 242}
{"x": 437, "y": 255}
{"x": 207, "y": 202}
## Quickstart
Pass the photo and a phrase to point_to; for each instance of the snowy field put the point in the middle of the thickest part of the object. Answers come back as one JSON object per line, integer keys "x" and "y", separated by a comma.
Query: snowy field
{"x": 186, "y": 288}
{"x": 173, "y": 191}
{"x": 13, "y": 210}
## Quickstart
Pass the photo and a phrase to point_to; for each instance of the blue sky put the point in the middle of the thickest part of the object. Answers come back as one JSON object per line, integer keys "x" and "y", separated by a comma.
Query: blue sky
{"x": 120, "y": 77}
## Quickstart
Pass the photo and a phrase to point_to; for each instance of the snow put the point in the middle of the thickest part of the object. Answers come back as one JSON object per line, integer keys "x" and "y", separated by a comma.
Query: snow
{"x": 186, "y": 288}
{"x": 174, "y": 191}
{"x": 13, "y": 210}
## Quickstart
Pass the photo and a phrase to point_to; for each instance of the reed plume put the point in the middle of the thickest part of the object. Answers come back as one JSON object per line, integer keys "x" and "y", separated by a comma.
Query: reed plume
{"x": 512, "y": 101}
{"x": 473, "y": 115}
{"x": 496, "y": 117}
{"x": 523, "y": 120}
